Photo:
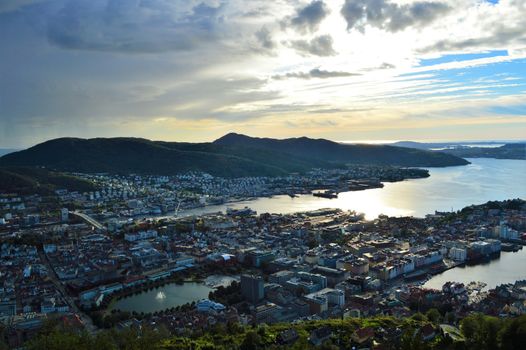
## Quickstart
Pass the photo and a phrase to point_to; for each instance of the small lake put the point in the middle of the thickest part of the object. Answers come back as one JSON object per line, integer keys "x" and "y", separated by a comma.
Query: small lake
{"x": 508, "y": 268}
{"x": 165, "y": 297}
{"x": 172, "y": 295}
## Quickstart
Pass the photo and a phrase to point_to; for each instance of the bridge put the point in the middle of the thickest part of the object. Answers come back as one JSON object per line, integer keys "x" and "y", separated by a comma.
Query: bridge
{"x": 89, "y": 220}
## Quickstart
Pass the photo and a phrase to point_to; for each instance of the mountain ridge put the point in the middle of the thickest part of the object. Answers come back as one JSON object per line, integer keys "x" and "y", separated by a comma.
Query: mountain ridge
{"x": 233, "y": 155}
{"x": 347, "y": 153}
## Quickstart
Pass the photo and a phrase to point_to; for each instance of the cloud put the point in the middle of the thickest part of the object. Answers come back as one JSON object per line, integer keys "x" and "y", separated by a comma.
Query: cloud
{"x": 389, "y": 16}
{"x": 14, "y": 5}
{"x": 501, "y": 38}
{"x": 314, "y": 73}
{"x": 485, "y": 27}
{"x": 318, "y": 46}
{"x": 308, "y": 18}
{"x": 133, "y": 26}
{"x": 83, "y": 64}
{"x": 386, "y": 65}
{"x": 264, "y": 37}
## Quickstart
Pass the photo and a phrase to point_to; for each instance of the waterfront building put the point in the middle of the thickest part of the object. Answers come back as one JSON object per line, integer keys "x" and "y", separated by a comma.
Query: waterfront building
{"x": 206, "y": 305}
{"x": 396, "y": 268}
{"x": 458, "y": 253}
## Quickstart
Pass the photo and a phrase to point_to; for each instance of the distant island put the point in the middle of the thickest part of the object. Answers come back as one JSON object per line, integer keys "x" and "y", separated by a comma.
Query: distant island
{"x": 508, "y": 151}
{"x": 232, "y": 155}
{"x": 487, "y": 149}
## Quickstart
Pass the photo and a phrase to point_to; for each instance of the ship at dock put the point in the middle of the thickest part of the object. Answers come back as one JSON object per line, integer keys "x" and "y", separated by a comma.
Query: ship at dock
{"x": 326, "y": 194}
{"x": 510, "y": 247}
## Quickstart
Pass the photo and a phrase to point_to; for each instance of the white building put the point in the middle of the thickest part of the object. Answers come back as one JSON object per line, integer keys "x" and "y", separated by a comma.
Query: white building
{"x": 139, "y": 236}
{"x": 458, "y": 254}
{"x": 64, "y": 214}
{"x": 396, "y": 268}
{"x": 206, "y": 305}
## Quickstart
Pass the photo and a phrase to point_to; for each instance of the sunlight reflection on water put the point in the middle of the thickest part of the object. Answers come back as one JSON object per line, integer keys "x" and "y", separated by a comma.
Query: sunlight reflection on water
{"x": 446, "y": 189}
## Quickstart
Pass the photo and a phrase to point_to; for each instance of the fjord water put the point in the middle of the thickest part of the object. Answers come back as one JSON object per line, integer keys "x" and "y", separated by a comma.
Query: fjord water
{"x": 508, "y": 268}
{"x": 446, "y": 189}
{"x": 450, "y": 188}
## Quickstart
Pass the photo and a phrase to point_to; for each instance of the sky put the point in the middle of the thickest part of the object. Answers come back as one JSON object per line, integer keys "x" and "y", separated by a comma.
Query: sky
{"x": 185, "y": 70}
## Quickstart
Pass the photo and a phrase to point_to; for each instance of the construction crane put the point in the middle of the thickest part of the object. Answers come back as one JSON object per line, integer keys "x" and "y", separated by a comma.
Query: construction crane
{"x": 177, "y": 208}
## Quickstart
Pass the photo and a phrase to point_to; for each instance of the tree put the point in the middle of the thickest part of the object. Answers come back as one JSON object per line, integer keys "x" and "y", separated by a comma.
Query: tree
{"x": 450, "y": 317}
{"x": 251, "y": 342}
{"x": 60, "y": 340}
{"x": 433, "y": 316}
{"x": 419, "y": 317}
{"x": 481, "y": 331}
{"x": 513, "y": 334}
{"x": 104, "y": 341}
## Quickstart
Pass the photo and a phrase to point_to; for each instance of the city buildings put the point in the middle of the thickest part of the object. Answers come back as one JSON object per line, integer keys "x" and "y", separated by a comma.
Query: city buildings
{"x": 252, "y": 288}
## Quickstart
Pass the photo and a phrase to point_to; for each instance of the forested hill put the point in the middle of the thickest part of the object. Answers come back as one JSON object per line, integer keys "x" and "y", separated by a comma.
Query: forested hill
{"x": 348, "y": 153}
{"x": 233, "y": 155}
{"x": 508, "y": 151}
{"x": 487, "y": 149}
{"x": 29, "y": 180}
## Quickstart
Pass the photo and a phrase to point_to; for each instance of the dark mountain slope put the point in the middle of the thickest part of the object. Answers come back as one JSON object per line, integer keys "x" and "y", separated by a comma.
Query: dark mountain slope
{"x": 131, "y": 155}
{"x": 231, "y": 156}
{"x": 23, "y": 180}
{"x": 261, "y": 155}
{"x": 326, "y": 150}
{"x": 4, "y": 151}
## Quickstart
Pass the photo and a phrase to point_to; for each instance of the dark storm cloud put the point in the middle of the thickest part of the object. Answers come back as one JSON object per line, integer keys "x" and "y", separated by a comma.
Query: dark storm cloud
{"x": 319, "y": 46}
{"x": 133, "y": 26}
{"x": 389, "y": 16}
{"x": 314, "y": 73}
{"x": 308, "y": 18}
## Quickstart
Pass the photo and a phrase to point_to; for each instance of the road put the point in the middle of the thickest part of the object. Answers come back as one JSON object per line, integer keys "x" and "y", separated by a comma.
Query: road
{"x": 88, "y": 323}
{"x": 89, "y": 220}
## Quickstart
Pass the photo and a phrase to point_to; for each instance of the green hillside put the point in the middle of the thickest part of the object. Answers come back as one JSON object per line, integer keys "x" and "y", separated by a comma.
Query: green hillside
{"x": 474, "y": 332}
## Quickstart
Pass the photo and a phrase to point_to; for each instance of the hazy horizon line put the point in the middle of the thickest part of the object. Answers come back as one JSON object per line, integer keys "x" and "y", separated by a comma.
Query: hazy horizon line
{"x": 359, "y": 141}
